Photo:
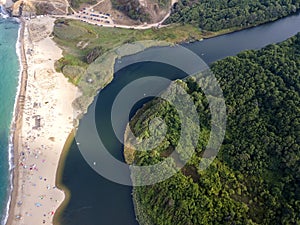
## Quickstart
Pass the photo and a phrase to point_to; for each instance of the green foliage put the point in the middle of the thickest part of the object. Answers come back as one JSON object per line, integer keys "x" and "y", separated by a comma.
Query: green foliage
{"x": 76, "y": 3}
{"x": 79, "y": 39}
{"x": 71, "y": 67}
{"x": 94, "y": 54}
{"x": 162, "y": 3}
{"x": 43, "y": 8}
{"x": 256, "y": 176}
{"x": 212, "y": 15}
{"x": 132, "y": 8}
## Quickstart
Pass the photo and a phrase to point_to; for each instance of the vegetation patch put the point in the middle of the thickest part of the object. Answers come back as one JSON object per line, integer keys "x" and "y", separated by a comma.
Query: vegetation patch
{"x": 256, "y": 176}
{"x": 132, "y": 8}
{"x": 212, "y": 15}
{"x": 89, "y": 46}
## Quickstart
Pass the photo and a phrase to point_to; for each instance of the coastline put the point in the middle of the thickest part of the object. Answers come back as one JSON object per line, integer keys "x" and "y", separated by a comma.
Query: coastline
{"x": 17, "y": 122}
{"x": 21, "y": 208}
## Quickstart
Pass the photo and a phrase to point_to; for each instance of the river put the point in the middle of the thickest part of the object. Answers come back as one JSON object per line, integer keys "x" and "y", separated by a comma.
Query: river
{"x": 97, "y": 201}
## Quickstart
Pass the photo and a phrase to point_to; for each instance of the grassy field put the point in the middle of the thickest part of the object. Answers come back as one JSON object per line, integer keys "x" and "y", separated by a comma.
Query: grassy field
{"x": 78, "y": 39}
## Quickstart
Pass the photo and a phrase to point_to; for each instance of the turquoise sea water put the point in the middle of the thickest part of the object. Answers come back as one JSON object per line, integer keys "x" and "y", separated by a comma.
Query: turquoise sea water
{"x": 9, "y": 73}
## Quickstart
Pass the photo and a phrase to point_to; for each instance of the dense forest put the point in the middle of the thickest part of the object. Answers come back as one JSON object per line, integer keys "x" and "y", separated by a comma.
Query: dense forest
{"x": 212, "y": 15}
{"x": 255, "y": 178}
{"x": 77, "y": 3}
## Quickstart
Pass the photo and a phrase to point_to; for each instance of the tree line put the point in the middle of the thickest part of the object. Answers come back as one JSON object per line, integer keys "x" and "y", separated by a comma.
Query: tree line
{"x": 255, "y": 178}
{"x": 211, "y": 15}
{"x": 132, "y": 8}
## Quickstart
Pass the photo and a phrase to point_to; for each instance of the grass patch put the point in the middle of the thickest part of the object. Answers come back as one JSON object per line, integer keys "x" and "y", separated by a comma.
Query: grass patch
{"x": 79, "y": 39}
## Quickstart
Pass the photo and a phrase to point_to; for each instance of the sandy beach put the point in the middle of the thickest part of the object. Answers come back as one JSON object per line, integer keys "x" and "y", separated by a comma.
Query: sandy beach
{"x": 43, "y": 121}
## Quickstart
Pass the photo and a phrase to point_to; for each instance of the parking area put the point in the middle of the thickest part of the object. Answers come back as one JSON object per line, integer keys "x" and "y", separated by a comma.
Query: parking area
{"x": 95, "y": 17}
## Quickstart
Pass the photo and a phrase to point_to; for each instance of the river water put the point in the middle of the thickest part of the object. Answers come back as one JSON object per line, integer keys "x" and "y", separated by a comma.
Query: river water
{"x": 97, "y": 201}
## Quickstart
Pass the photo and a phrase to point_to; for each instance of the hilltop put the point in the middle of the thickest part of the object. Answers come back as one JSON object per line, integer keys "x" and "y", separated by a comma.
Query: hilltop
{"x": 39, "y": 7}
{"x": 124, "y": 12}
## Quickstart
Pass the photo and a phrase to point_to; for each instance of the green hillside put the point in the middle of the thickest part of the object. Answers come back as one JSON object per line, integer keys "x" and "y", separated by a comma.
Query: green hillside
{"x": 256, "y": 176}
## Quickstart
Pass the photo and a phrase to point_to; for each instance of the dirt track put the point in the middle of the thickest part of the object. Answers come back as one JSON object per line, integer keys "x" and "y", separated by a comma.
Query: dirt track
{"x": 114, "y": 24}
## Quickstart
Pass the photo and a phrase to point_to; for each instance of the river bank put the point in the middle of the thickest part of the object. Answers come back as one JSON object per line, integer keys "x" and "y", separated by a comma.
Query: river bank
{"x": 43, "y": 121}
{"x": 56, "y": 123}
{"x": 93, "y": 80}
{"x": 9, "y": 89}
{"x": 226, "y": 45}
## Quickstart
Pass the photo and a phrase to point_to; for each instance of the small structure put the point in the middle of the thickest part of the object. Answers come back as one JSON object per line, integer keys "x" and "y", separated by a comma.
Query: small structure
{"x": 37, "y": 122}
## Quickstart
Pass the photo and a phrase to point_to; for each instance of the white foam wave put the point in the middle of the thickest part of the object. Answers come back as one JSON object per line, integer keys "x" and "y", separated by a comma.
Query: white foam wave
{"x": 11, "y": 148}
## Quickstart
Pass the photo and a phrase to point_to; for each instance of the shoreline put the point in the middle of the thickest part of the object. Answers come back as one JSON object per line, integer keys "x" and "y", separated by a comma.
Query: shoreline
{"x": 21, "y": 210}
{"x": 89, "y": 92}
{"x": 59, "y": 174}
{"x": 238, "y": 29}
{"x": 18, "y": 119}
{"x": 111, "y": 76}
{"x": 17, "y": 122}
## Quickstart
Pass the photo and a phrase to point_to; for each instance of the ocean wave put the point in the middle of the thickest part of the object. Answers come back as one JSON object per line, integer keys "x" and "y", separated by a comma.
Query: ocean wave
{"x": 3, "y": 13}
{"x": 10, "y": 146}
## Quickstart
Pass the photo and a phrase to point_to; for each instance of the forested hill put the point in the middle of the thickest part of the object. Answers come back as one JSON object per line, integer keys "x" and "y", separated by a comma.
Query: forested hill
{"x": 215, "y": 15}
{"x": 256, "y": 176}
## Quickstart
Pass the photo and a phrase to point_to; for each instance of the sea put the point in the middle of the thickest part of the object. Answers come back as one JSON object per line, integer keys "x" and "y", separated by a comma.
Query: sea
{"x": 9, "y": 83}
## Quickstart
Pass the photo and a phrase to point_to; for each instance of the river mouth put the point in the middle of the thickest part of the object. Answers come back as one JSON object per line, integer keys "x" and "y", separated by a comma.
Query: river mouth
{"x": 97, "y": 201}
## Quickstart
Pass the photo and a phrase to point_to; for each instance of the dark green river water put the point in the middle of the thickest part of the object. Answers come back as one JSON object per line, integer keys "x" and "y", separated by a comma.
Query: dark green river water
{"x": 98, "y": 201}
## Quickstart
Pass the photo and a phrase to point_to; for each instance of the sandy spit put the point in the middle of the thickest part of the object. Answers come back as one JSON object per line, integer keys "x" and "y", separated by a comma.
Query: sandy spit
{"x": 43, "y": 121}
